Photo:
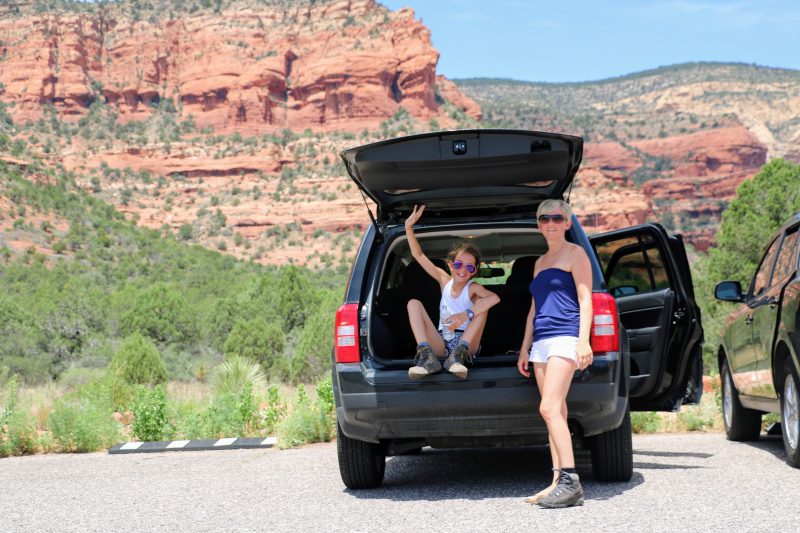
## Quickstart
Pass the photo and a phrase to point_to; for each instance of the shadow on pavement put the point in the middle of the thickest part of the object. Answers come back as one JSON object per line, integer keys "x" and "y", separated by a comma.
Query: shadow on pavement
{"x": 477, "y": 474}
{"x": 769, "y": 443}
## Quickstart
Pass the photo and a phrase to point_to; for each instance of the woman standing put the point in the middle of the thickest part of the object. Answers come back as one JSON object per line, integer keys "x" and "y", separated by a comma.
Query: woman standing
{"x": 557, "y": 342}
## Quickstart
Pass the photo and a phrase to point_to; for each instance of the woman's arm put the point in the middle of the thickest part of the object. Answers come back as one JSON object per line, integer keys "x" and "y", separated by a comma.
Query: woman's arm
{"x": 433, "y": 271}
{"x": 582, "y": 274}
{"x": 527, "y": 340}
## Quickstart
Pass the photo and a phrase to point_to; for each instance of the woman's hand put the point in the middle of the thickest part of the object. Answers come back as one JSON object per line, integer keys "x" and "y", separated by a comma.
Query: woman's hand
{"x": 585, "y": 355}
{"x": 522, "y": 364}
{"x": 414, "y": 217}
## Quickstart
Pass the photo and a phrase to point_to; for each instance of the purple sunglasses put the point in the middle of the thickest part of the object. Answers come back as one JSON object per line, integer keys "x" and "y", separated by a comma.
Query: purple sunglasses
{"x": 470, "y": 267}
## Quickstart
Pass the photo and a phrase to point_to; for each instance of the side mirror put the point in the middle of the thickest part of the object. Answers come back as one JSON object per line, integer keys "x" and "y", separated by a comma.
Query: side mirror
{"x": 729, "y": 291}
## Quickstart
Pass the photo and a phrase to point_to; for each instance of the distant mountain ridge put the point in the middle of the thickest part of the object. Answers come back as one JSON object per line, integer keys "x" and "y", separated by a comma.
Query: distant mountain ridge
{"x": 669, "y": 144}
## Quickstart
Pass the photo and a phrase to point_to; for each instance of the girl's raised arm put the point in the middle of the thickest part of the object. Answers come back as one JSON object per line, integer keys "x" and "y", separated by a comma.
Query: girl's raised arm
{"x": 433, "y": 271}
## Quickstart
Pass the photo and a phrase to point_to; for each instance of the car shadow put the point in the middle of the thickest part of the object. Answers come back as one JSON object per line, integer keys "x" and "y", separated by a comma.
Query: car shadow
{"x": 478, "y": 474}
{"x": 769, "y": 443}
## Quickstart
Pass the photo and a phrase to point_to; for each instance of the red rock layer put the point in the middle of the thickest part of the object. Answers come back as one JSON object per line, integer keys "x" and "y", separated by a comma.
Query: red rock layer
{"x": 334, "y": 65}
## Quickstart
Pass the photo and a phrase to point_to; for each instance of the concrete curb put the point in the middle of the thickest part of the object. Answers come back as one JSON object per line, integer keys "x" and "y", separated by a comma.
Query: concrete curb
{"x": 192, "y": 445}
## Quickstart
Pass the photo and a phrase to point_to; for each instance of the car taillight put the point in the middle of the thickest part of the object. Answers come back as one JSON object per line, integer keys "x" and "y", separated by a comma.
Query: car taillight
{"x": 605, "y": 323}
{"x": 346, "y": 349}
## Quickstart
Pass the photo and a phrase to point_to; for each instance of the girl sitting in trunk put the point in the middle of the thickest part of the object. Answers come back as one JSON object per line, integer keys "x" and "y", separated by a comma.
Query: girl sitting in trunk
{"x": 458, "y": 335}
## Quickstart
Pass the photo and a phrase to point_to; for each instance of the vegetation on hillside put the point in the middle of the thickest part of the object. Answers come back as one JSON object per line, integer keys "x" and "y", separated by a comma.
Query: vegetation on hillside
{"x": 614, "y": 108}
{"x": 761, "y": 206}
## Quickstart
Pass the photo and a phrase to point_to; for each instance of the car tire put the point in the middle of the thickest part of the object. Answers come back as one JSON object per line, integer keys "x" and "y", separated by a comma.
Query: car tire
{"x": 790, "y": 414}
{"x": 612, "y": 452}
{"x": 361, "y": 464}
{"x": 741, "y": 424}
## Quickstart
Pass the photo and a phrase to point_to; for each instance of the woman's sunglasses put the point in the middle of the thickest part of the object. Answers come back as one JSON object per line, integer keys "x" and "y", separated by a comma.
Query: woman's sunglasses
{"x": 557, "y": 218}
{"x": 470, "y": 267}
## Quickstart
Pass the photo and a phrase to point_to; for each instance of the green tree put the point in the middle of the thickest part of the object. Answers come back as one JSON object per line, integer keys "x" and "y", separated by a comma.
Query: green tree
{"x": 137, "y": 361}
{"x": 257, "y": 340}
{"x": 160, "y": 312}
{"x": 312, "y": 355}
{"x": 296, "y": 297}
{"x": 761, "y": 206}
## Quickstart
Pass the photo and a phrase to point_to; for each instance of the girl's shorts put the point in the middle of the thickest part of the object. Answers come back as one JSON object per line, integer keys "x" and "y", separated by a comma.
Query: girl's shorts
{"x": 565, "y": 346}
{"x": 452, "y": 343}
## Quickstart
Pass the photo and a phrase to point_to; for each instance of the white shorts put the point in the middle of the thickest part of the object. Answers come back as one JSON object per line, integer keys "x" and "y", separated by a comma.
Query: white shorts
{"x": 565, "y": 346}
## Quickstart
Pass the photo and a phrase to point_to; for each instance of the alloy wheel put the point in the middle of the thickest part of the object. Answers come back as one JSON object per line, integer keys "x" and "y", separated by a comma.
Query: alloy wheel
{"x": 791, "y": 421}
{"x": 727, "y": 399}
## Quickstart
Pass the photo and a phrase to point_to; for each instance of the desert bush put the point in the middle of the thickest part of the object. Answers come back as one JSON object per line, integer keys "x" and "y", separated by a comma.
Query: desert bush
{"x": 17, "y": 429}
{"x": 306, "y": 422}
{"x": 150, "y": 413}
{"x": 235, "y": 373}
{"x": 312, "y": 355}
{"x": 160, "y": 312}
{"x": 645, "y": 422}
{"x": 79, "y": 424}
{"x": 256, "y": 340}
{"x": 138, "y": 361}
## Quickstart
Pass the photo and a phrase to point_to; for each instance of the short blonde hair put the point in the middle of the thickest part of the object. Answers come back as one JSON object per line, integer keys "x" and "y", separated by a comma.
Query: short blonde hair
{"x": 551, "y": 204}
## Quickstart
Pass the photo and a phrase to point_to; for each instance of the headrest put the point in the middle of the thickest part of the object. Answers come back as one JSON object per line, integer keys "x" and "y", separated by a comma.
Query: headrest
{"x": 522, "y": 270}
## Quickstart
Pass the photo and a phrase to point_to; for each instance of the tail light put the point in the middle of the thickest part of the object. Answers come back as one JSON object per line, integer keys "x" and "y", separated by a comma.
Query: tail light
{"x": 605, "y": 323}
{"x": 346, "y": 349}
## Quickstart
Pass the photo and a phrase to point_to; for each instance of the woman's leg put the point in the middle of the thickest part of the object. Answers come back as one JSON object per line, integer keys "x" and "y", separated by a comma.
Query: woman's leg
{"x": 423, "y": 328}
{"x": 557, "y": 379}
{"x": 539, "y": 370}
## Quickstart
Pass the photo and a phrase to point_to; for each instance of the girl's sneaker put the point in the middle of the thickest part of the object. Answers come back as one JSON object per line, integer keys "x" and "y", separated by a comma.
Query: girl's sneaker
{"x": 425, "y": 363}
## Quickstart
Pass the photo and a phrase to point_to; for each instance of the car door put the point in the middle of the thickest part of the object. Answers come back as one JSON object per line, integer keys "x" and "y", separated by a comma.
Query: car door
{"x": 762, "y": 304}
{"x": 765, "y": 314}
{"x": 647, "y": 272}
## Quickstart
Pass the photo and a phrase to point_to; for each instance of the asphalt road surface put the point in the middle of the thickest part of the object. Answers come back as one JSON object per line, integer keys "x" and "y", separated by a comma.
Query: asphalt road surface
{"x": 691, "y": 482}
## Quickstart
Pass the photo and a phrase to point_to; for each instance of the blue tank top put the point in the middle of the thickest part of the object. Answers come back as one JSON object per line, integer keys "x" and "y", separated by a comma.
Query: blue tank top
{"x": 557, "y": 309}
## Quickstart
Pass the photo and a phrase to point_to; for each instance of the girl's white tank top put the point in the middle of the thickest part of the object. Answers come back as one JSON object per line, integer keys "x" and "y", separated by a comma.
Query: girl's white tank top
{"x": 455, "y": 305}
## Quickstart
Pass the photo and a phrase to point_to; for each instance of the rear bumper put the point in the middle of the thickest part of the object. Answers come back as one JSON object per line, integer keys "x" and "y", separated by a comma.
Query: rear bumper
{"x": 493, "y": 402}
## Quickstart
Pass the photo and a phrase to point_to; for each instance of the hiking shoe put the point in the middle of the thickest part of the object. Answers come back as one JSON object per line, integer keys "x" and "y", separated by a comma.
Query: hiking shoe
{"x": 425, "y": 363}
{"x": 568, "y": 492}
{"x": 456, "y": 361}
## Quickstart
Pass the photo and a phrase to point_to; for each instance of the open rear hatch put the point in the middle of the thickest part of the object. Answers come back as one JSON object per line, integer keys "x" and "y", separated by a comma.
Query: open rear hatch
{"x": 467, "y": 173}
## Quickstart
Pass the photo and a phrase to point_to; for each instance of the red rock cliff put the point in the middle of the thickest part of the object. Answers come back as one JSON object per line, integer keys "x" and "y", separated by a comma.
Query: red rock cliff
{"x": 330, "y": 65}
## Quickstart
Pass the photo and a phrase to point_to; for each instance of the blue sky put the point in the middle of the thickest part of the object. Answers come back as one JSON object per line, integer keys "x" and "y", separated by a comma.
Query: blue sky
{"x": 589, "y": 40}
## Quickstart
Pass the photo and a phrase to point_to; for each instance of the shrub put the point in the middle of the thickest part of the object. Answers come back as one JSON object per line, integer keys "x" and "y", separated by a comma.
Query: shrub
{"x": 256, "y": 340}
{"x": 159, "y": 312}
{"x": 150, "y": 413}
{"x": 17, "y": 430}
{"x": 645, "y": 422}
{"x": 275, "y": 410}
{"x": 234, "y": 414}
{"x": 137, "y": 362}
{"x": 306, "y": 423}
{"x": 312, "y": 355}
{"x": 232, "y": 375}
{"x": 81, "y": 425}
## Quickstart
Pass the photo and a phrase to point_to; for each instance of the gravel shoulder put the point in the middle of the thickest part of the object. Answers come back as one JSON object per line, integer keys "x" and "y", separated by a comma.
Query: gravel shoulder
{"x": 681, "y": 482}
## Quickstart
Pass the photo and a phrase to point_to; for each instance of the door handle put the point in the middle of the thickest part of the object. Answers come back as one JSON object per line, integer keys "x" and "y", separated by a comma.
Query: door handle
{"x": 748, "y": 320}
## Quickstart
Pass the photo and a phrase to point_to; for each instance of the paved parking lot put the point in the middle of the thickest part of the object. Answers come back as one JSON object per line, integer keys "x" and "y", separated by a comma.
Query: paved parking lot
{"x": 691, "y": 482}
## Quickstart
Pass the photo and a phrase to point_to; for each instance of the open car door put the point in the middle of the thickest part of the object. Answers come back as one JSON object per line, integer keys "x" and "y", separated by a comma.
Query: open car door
{"x": 648, "y": 274}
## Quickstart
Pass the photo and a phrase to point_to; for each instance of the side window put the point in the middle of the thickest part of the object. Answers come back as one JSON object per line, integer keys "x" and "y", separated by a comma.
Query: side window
{"x": 633, "y": 265}
{"x": 762, "y": 278}
{"x": 787, "y": 257}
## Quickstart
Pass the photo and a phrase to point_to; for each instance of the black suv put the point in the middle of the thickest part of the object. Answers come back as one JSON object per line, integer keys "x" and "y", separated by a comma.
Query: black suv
{"x": 760, "y": 344}
{"x": 484, "y": 186}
